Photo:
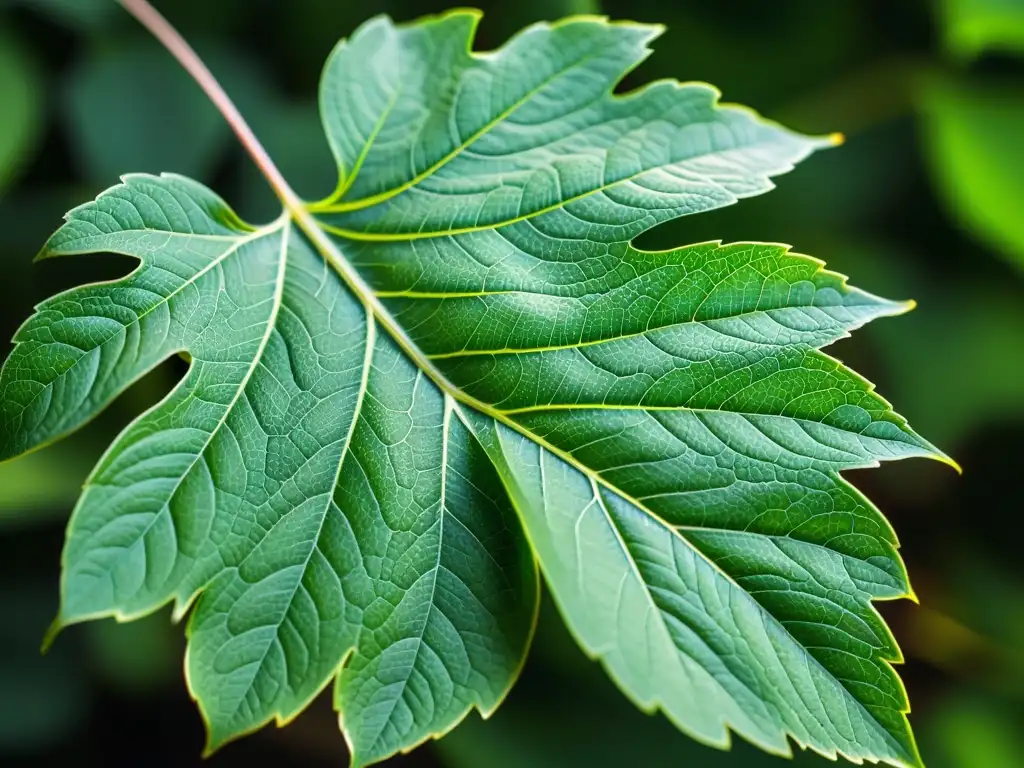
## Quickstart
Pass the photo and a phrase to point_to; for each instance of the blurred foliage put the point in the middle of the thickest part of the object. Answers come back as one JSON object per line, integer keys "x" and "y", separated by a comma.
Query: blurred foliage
{"x": 140, "y": 656}
{"x": 108, "y": 131}
{"x": 923, "y": 202}
{"x": 31, "y": 489}
{"x": 974, "y": 139}
{"x": 986, "y": 383}
{"x": 22, "y": 100}
{"x": 41, "y": 698}
{"x": 971, "y": 732}
{"x": 973, "y": 124}
{"x": 974, "y": 26}
{"x": 81, "y": 14}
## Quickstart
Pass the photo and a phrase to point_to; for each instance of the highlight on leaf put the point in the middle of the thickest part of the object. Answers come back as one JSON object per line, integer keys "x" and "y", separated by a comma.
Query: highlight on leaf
{"x": 407, "y": 401}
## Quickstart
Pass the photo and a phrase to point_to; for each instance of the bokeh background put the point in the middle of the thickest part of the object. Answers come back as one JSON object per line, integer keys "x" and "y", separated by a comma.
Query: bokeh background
{"x": 924, "y": 201}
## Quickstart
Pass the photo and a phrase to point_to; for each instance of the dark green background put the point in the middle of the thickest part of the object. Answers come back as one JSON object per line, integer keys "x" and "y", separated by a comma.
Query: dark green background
{"x": 925, "y": 201}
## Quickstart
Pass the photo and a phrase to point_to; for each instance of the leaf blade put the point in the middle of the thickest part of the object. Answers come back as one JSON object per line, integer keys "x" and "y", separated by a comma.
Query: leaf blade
{"x": 679, "y": 674}
{"x": 481, "y": 350}
{"x": 675, "y": 137}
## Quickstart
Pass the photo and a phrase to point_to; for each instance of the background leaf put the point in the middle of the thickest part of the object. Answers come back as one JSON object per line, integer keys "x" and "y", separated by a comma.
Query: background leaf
{"x": 973, "y": 134}
{"x": 31, "y": 488}
{"x": 975, "y": 735}
{"x": 20, "y": 93}
{"x": 975, "y": 26}
{"x": 139, "y": 656}
{"x": 111, "y": 115}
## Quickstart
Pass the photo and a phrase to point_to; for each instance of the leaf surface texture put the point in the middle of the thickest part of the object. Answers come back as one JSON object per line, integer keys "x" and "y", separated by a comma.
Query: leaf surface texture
{"x": 358, "y": 472}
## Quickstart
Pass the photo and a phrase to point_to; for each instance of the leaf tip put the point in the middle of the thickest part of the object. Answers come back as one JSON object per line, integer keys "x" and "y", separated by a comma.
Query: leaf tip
{"x": 949, "y": 461}
{"x": 213, "y": 742}
{"x": 43, "y": 254}
{"x": 941, "y": 456}
{"x": 50, "y": 636}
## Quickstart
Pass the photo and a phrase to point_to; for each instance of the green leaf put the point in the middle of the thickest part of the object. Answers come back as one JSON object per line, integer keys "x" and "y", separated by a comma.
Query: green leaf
{"x": 975, "y": 26}
{"x": 549, "y": 722}
{"x": 401, "y": 394}
{"x": 974, "y": 147}
{"x": 304, "y": 476}
{"x": 19, "y": 93}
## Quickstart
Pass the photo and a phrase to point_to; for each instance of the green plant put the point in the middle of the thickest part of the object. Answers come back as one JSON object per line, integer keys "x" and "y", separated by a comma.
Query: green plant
{"x": 971, "y": 121}
{"x": 404, "y": 397}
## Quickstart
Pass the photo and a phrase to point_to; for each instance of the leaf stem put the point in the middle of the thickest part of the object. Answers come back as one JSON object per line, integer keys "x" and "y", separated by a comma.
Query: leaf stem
{"x": 178, "y": 47}
{"x": 172, "y": 40}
